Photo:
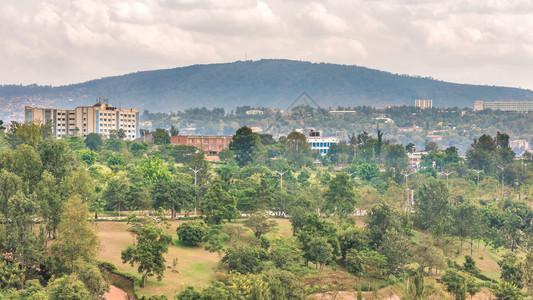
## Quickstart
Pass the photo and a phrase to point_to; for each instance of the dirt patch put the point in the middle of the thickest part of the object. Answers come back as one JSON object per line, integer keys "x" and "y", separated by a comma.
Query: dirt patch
{"x": 116, "y": 294}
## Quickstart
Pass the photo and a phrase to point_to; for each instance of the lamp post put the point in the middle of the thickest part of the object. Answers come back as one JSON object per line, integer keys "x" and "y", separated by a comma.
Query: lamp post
{"x": 478, "y": 171}
{"x": 195, "y": 190}
{"x": 281, "y": 177}
{"x": 447, "y": 174}
{"x": 503, "y": 170}
{"x": 406, "y": 174}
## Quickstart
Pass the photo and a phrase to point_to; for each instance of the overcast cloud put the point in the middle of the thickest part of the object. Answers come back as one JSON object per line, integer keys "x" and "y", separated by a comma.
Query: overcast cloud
{"x": 67, "y": 41}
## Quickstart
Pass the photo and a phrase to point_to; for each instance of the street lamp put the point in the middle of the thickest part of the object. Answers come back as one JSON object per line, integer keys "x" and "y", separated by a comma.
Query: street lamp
{"x": 281, "y": 177}
{"x": 195, "y": 190}
{"x": 478, "y": 171}
{"x": 406, "y": 174}
{"x": 447, "y": 174}
{"x": 503, "y": 170}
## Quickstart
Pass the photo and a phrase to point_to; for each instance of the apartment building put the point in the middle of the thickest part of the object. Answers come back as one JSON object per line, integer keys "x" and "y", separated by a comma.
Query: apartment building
{"x": 423, "y": 103}
{"x": 523, "y": 106}
{"x": 102, "y": 118}
{"x": 210, "y": 144}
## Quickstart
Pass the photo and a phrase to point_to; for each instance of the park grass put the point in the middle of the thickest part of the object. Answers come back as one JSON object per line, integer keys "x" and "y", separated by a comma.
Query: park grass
{"x": 195, "y": 265}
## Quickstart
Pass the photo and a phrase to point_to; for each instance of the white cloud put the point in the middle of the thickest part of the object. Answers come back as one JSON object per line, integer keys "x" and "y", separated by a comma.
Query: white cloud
{"x": 62, "y": 41}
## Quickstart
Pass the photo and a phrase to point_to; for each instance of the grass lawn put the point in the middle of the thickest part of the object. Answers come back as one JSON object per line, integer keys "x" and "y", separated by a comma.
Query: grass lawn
{"x": 195, "y": 265}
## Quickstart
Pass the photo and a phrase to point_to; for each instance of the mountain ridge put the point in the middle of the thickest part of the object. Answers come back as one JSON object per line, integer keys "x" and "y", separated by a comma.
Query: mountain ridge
{"x": 272, "y": 83}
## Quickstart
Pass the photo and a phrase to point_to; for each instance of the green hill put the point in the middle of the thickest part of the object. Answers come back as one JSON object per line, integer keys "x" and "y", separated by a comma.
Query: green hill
{"x": 264, "y": 83}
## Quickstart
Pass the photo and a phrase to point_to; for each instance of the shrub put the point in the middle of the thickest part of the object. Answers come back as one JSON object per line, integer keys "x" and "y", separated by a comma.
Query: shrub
{"x": 192, "y": 233}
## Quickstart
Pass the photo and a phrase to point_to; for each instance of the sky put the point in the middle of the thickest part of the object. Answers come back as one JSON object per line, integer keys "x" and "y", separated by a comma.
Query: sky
{"x": 58, "y": 42}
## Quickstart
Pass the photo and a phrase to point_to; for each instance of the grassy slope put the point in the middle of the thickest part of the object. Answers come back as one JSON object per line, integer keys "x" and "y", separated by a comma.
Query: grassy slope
{"x": 195, "y": 265}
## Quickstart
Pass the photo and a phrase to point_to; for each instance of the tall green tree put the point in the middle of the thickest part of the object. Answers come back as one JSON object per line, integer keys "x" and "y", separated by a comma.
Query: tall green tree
{"x": 340, "y": 195}
{"x": 160, "y": 137}
{"x": 218, "y": 205}
{"x": 75, "y": 237}
{"x": 152, "y": 243}
{"x": 174, "y": 195}
{"x": 431, "y": 205}
{"x": 247, "y": 147}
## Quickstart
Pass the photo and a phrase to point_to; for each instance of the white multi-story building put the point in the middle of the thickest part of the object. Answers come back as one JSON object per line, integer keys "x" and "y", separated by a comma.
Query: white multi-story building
{"x": 101, "y": 118}
{"x": 321, "y": 144}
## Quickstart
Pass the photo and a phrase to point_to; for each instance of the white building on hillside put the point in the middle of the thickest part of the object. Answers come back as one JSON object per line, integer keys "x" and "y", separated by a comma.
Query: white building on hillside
{"x": 321, "y": 144}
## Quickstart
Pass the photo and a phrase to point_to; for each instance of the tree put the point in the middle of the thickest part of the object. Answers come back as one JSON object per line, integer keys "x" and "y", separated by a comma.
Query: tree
{"x": 528, "y": 270}
{"x": 88, "y": 156}
{"x": 152, "y": 243}
{"x": 244, "y": 259}
{"x": 396, "y": 157}
{"x": 50, "y": 202}
{"x": 218, "y": 205}
{"x": 67, "y": 288}
{"x": 470, "y": 265}
{"x": 259, "y": 224}
{"x": 511, "y": 269}
{"x": 395, "y": 247}
{"x": 410, "y": 148}
{"x": 115, "y": 192}
{"x": 455, "y": 283}
{"x": 57, "y": 158}
{"x": 381, "y": 218}
{"x": 466, "y": 222}
{"x": 367, "y": 171}
{"x": 174, "y": 195}
{"x": 93, "y": 279}
{"x": 21, "y": 241}
{"x": 94, "y": 141}
{"x": 215, "y": 239}
{"x": 353, "y": 238}
{"x": 75, "y": 142}
{"x": 507, "y": 291}
{"x": 153, "y": 169}
{"x": 247, "y": 147}
{"x": 160, "y": 137}
{"x": 285, "y": 254}
{"x": 28, "y": 133}
{"x": 340, "y": 195}
{"x": 75, "y": 238}
{"x": 174, "y": 131}
{"x": 431, "y": 205}
{"x": 193, "y": 232}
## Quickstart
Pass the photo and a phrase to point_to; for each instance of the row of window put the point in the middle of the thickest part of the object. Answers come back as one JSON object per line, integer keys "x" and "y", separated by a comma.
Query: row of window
{"x": 320, "y": 144}
{"x": 206, "y": 141}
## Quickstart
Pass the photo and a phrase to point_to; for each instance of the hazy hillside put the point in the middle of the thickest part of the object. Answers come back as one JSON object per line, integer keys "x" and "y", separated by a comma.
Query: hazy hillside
{"x": 267, "y": 83}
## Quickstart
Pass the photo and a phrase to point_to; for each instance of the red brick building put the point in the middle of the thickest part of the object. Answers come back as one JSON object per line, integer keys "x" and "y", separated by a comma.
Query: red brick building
{"x": 210, "y": 144}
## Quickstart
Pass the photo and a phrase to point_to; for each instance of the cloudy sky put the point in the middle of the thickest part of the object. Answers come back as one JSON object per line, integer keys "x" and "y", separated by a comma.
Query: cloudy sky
{"x": 67, "y": 41}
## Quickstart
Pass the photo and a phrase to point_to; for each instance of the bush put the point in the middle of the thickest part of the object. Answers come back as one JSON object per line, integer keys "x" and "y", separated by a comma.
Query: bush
{"x": 192, "y": 233}
{"x": 245, "y": 260}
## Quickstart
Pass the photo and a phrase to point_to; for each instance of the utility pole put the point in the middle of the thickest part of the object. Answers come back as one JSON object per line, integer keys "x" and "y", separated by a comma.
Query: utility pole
{"x": 195, "y": 190}
{"x": 406, "y": 174}
{"x": 447, "y": 174}
{"x": 281, "y": 178}
{"x": 355, "y": 152}
{"x": 478, "y": 171}
{"x": 503, "y": 170}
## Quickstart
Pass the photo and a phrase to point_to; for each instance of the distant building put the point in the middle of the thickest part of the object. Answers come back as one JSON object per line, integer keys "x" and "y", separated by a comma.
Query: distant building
{"x": 519, "y": 145}
{"x": 423, "y": 103}
{"x": 210, "y": 144}
{"x": 504, "y": 105}
{"x": 415, "y": 158}
{"x": 254, "y": 112}
{"x": 342, "y": 112}
{"x": 321, "y": 144}
{"x": 101, "y": 118}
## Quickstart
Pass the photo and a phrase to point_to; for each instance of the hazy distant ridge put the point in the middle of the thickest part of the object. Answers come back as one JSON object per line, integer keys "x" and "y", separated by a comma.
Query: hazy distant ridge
{"x": 267, "y": 83}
